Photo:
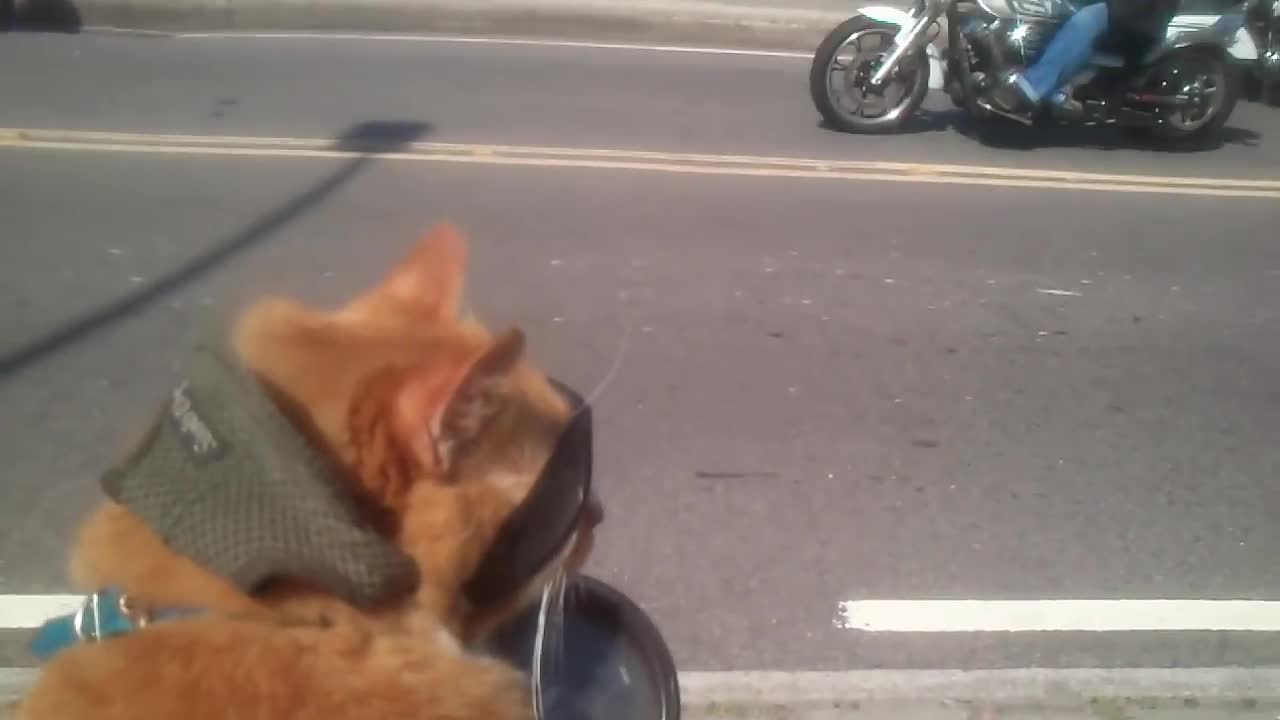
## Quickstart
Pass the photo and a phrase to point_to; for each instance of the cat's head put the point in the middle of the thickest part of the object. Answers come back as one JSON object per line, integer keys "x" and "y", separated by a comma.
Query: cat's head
{"x": 443, "y": 426}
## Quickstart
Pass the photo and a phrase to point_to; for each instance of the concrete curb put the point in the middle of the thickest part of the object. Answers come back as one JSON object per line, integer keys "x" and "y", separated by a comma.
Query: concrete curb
{"x": 1017, "y": 694}
{"x": 1096, "y": 694}
{"x": 13, "y": 682}
{"x": 644, "y": 21}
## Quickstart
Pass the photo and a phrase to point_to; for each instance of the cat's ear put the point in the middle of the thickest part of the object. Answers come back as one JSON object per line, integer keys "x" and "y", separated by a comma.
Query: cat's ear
{"x": 436, "y": 413}
{"x": 429, "y": 280}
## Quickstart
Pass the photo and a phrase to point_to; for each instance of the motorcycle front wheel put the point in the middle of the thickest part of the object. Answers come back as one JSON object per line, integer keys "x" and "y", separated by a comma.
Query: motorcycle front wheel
{"x": 840, "y": 74}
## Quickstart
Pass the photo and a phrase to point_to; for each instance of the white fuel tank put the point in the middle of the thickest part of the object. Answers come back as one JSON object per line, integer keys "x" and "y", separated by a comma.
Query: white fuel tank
{"x": 1028, "y": 9}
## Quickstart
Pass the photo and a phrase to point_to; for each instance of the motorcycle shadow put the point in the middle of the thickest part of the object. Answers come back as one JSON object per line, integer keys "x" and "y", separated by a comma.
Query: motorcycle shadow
{"x": 1001, "y": 134}
{"x": 40, "y": 16}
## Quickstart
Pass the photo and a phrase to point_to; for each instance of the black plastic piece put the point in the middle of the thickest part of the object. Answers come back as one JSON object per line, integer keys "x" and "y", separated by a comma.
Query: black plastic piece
{"x": 617, "y": 666}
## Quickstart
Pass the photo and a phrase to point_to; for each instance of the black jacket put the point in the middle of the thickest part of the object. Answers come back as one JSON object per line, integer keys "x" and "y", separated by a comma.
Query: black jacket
{"x": 1148, "y": 18}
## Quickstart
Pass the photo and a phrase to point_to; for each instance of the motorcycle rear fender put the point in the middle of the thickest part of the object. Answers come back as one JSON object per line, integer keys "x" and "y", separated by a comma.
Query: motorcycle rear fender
{"x": 1243, "y": 48}
{"x": 1224, "y": 31}
{"x": 902, "y": 20}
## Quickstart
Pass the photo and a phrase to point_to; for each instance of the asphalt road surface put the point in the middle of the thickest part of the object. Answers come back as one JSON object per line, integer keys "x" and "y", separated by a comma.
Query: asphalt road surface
{"x": 831, "y": 388}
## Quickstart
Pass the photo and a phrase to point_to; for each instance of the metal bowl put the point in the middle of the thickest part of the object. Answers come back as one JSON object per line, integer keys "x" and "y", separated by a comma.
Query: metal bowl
{"x": 614, "y": 663}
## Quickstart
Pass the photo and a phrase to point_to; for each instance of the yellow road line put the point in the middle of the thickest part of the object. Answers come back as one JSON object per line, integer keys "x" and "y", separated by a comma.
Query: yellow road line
{"x": 689, "y": 163}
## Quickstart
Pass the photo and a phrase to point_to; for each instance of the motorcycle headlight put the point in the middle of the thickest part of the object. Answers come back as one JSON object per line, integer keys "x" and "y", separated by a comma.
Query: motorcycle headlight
{"x": 548, "y": 647}
{"x": 591, "y": 654}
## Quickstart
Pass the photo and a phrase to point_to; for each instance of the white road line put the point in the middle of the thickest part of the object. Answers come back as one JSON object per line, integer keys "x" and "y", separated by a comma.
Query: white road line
{"x": 952, "y": 616}
{"x": 139, "y": 32}
{"x": 395, "y": 37}
{"x": 30, "y": 611}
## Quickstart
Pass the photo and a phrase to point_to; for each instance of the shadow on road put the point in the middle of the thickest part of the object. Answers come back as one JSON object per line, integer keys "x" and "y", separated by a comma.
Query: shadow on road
{"x": 1007, "y": 135}
{"x": 60, "y": 16}
{"x": 367, "y": 139}
{"x": 1010, "y": 136}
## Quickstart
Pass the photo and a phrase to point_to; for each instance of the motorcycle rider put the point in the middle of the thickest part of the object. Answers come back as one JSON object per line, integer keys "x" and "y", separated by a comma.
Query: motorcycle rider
{"x": 1138, "y": 23}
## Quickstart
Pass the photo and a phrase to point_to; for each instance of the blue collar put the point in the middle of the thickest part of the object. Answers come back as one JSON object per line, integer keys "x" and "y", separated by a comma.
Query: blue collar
{"x": 104, "y": 614}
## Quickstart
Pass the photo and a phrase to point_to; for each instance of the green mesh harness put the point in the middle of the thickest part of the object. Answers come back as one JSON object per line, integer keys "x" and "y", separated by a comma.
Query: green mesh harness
{"x": 225, "y": 479}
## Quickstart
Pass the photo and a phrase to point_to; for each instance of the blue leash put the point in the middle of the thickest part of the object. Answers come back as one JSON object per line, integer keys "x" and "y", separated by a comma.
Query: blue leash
{"x": 104, "y": 614}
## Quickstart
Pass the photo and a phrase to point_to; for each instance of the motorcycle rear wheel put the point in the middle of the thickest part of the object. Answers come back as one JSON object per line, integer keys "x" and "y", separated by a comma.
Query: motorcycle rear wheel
{"x": 912, "y": 78}
{"x": 1204, "y": 73}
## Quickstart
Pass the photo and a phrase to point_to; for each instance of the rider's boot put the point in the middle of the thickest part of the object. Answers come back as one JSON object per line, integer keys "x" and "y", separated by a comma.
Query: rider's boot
{"x": 1064, "y": 108}
{"x": 1010, "y": 99}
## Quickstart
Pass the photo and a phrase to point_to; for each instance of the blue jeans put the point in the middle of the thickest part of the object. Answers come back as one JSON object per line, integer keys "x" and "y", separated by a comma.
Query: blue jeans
{"x": 1068, "y": 53}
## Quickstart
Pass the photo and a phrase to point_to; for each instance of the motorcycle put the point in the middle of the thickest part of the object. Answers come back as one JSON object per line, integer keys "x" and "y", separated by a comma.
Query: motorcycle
{"x": 872, "y": 72}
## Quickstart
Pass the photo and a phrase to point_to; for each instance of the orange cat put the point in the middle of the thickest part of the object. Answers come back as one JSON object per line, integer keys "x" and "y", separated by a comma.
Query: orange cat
{"x": 444, "y": 429}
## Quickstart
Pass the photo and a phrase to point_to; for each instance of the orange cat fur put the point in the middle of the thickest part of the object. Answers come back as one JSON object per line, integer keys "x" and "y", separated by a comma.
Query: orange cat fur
{"x": 444, "y": 428}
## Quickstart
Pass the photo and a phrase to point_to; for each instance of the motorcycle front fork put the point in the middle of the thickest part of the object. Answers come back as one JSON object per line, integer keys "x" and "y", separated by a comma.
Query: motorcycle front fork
{"x": 1271, "y": 57}
{"x": 910, "y": 40}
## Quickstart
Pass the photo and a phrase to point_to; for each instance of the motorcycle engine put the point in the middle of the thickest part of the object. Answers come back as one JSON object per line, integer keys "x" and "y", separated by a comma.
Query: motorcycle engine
{"x": 1028, "y": 39}
{"x": 1003, "y": 42}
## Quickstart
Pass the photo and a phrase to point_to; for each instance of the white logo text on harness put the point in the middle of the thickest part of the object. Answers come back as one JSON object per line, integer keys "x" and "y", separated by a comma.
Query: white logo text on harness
{"x": 200, "y": 439}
